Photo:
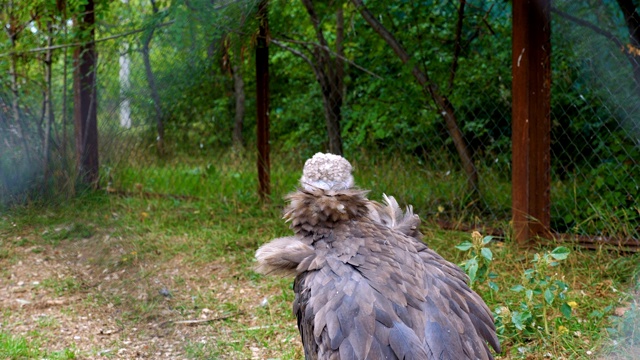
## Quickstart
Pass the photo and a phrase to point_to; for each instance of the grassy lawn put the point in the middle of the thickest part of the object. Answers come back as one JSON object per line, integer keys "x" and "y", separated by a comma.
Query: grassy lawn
{"x": 133, "y": 274}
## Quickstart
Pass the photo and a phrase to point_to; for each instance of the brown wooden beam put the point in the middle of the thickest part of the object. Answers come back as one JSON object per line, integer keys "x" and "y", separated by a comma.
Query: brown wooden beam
{"x": 531, "y": 101}
{"x": 262, "y": 85}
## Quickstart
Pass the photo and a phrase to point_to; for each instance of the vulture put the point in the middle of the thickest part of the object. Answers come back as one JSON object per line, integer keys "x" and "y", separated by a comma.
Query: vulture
{"x": 366, "y": 286}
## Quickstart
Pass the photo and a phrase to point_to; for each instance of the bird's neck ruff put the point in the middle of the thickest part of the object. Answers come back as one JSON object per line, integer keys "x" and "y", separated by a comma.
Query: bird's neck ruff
{"x": 316, "y": 210}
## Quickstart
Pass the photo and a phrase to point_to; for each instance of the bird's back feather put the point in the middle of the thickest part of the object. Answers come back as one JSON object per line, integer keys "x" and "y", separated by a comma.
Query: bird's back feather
{"x": 366, "y": 286}
{"x": 371, "y": 291}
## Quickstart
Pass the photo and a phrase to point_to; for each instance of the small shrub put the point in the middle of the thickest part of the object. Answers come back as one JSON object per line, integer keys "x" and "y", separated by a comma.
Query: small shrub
{"x": 479, "y": 260}
{"x": 544, "y": 299}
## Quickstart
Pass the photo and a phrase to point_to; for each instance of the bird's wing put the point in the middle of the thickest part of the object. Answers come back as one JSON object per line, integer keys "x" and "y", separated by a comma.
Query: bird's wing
{"x": 282, "y": 255}
{"x": 340, "y": 315}
{"x": 391, "y": 215}
{"x": 305, "y": 323}
{"x": 369, "y": 291}
{"x": 450, "y": 295}
{"x": 429, "y": 294}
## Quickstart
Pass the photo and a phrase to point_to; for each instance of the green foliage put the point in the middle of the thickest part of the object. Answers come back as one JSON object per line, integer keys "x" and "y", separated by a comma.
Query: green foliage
{"x": 17, "y": 347}
{"x": 479, "y": 257}
{"x": 14, "y": 347}
{"x": 62, "y": 286}
{"x": 536, "y": 312}
{"x": 543, "y": 292}
{"x": 197, "y": 232}
{"x": 196, "y": 45}
{"x": 74, "y": 231}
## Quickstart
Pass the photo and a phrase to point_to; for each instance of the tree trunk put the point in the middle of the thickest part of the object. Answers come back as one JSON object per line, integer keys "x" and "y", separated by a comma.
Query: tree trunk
{"x": 442, "y": 103}
{"x": 329, "y": 74}
{"x": 155, "y": 97}
{"x": 240, "y": 105}
{"x": 125, "y": 104}
{"x": 632, "y": 19}
{"x": 48, "y": 104}
{"x": 332, "y": 105}
{"x": 12, "y": 32}
{"x": 336, "y": 87}
{"x": 262, "y": 100}
{"x": 85, "y": 100}
{"x": 65, "y": 158}
{"x": 125, "y": 83}
{"x": 15, "y": 105}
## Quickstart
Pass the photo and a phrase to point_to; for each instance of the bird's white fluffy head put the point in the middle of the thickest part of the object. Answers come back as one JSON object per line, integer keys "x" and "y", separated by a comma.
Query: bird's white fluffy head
{"x": 328, "y": 172}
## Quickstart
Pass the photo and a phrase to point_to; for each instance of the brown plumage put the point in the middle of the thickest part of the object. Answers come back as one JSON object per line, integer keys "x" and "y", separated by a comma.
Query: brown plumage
{"x": 366, "y": 286}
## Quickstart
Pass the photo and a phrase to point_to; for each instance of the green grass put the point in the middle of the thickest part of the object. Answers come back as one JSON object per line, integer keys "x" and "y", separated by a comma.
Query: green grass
{"x": 17, "y": 348}
{"x": 60, "y": 286}
{"x": 197, "y": 214}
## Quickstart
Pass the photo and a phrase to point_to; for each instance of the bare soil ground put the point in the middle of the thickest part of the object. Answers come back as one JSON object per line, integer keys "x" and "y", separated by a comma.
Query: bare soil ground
{"x": 98, "y": 300}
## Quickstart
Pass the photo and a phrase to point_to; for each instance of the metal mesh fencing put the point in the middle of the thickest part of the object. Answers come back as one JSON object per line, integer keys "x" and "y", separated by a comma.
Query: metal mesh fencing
{"x": 176, "y": 84}
{"x": 595, "y": 121}
{"x": 163, "y": 83}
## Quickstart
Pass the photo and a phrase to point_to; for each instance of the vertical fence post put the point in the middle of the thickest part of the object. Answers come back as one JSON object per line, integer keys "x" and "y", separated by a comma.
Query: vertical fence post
{"x": 86, "y": 100}
{"x": 531, "y": 102}
{"x": 262, "y": 75}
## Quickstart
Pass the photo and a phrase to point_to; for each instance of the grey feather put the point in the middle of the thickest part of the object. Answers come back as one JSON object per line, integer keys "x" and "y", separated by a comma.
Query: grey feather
{"x": 282, "y": 256}
{"x": 366, "y": 285}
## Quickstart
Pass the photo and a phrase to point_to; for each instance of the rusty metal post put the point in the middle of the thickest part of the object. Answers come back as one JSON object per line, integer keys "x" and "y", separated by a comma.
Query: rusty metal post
{"x": 531, "y": 175}
{"x": 262, "y": 85}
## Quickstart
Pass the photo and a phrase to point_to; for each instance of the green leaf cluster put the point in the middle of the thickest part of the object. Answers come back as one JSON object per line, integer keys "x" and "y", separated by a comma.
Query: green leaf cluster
{"x": 478, "y": 262}
{"x": 543, "y": 299}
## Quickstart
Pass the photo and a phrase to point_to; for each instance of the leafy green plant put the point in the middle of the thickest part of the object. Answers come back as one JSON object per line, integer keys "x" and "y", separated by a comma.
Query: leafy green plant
{"x": 543, "y": 291}
{"x": 479, "y": 260}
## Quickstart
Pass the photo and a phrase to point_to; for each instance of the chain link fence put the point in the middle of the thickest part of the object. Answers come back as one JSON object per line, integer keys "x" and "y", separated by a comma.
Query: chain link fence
{"x": 176, "y": 87}
{"x": 595, "y": 120}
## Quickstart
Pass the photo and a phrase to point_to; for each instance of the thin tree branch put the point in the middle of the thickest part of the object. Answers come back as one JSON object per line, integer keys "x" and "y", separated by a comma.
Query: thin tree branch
{"x": 627, "y": 50}
{"x": 293, "y": 51}
{"x": 325, "y": 70}
{"x": 457, "y": 48}
{"x": 15, "y": 32}
{"x": 444, "y": 106}
{"x": 589, "y": 25}
{"x": 316, "y": 72}
{"x": 327, "y": 49}
{"x": 632, "y": 19}
{"x": 339, "y": 74}
{"x": 477, "y": 32}
{"x": 304, "y": 44}
{"x": 63, "y": 46}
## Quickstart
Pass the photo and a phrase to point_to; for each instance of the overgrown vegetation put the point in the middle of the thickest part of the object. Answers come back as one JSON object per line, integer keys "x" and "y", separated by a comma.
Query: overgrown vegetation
{"x": 190, "y": 67}
{"x": 148, "y": 255}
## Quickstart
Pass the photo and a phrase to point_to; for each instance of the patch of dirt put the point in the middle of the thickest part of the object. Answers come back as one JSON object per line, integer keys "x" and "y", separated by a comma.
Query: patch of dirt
{"x": 100, "y": 301}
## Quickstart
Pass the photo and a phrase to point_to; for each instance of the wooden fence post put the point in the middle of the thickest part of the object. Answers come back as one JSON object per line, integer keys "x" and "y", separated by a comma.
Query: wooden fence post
{"x": 86, "y": 99}
{"x": 531, "y": 126}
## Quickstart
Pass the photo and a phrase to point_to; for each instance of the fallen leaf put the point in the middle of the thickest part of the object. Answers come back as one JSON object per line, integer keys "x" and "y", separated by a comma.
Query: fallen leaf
{"x": 620, "y": 311}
